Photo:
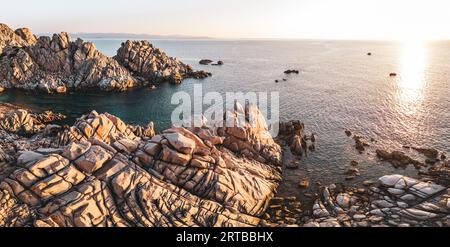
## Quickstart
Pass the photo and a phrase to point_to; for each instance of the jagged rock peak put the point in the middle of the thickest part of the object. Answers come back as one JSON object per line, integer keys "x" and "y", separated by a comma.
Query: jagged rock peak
{"x": 57, "y": 64}
{"x": 20, "y": 37}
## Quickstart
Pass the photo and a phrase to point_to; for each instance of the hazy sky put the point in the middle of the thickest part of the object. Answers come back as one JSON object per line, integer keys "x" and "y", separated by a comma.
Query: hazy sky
{"x": 331, "y": 19}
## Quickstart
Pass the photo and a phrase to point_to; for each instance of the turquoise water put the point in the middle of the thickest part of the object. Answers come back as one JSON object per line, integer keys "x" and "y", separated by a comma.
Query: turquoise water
{"x": 338, "y": 87}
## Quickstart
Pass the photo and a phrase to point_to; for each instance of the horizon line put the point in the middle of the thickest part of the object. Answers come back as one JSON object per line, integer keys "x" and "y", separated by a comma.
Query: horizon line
{"x": 206, "y": 37}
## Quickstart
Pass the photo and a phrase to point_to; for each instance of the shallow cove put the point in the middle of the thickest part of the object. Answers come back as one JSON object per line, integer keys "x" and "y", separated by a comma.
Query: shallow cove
{"x": 339, "y": 87}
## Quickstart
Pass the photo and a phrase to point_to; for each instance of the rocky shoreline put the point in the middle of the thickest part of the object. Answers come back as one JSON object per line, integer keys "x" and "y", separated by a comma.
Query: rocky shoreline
{"x": 103, "y": 172}
{"x": 57, "y": 65}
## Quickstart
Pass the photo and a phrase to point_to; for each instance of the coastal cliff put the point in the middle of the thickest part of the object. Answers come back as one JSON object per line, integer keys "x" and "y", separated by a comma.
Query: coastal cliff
{"x": 57, "y": 64}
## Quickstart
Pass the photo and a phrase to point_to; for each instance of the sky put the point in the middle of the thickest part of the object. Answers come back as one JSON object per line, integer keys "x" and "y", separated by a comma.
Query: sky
{"x": 286, "y": 19}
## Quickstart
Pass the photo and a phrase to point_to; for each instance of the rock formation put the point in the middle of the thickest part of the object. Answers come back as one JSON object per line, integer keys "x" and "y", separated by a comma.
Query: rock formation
{"x": 396, "y": 201}
{"x": 103, "y": 172}
{"x": 152, "y": 64}
{"x": 21, "y": 37}
{"x": 24, "y": 121}
{"x": 58, "y": 64}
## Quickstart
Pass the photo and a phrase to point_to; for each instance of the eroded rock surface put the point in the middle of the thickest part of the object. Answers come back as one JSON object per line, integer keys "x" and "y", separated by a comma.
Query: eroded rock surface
{"x": 56, "y": 64}
{"x": 20, "y": 37}
{"x": 152, "y": 64}
{"x": 397, "y": 201}
{"x": 100, "y": 172}
{"x": 26, "y": 122}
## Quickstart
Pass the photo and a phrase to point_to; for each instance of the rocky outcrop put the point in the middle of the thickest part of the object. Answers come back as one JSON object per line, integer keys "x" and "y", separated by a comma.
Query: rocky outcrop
{"x": 102, "y": 172}
{"x": 58, "y": 64}
{"x": 398, "y": 158}
{"x": 205, "y": 61}
{"x": 152, "y": 64}
{"x": 293, "y": 134}
{"x": 397, "y": 201}
{"x": 55, "y": 64}
{"x": 292, "y": 71}
{"x": 25, "y": 122}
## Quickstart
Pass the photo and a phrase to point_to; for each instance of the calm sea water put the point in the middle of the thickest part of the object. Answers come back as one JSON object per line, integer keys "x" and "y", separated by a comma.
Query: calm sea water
{"x": 339, "y": 87}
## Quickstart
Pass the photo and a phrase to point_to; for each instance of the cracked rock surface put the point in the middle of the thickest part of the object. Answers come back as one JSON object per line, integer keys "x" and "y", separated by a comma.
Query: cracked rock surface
{"x": 56, "y": 64}
{"x": 397, "y": 201}
{"x": 103, "y": 172}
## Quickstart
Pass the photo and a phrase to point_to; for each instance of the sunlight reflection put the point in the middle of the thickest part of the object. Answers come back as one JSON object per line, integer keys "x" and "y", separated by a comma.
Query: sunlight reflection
{"x": 412, "y": 81}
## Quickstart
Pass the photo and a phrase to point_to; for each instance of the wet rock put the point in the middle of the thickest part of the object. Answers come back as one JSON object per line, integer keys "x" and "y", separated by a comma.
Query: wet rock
{"x": 360, "y": 145}
{"x": 219, "y": 63}
{"x": 205, "y": 61}
{"x": 294, "y": 164}
{"x": 399, "y": 201}
{"x": 353, "y": 172}
{"x": 348, "y": 133}
{"x": 304, "y": 184}
{"x": 397, "y": 158}
{"x": 291, "y": 71}
{"x": 440, "y": 172}
{"x": 369, "y": 183}
{"x": 430, "y": 153}
{"x": 296, "y": 146}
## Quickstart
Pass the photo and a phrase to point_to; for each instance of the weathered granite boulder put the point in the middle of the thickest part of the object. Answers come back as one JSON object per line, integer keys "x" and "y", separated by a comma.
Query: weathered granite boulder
{"x": 104, "y": 174}
{"x": 397, "y": 201}
{"x": 13, "y": 213}
{"x": 103, "y": 127}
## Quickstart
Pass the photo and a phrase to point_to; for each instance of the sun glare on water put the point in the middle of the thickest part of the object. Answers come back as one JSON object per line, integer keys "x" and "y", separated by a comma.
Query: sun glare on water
{"x": 412, "y": 82}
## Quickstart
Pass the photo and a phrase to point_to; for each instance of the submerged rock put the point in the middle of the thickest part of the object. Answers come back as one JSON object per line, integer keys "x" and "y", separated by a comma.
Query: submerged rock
{"x": 428, "y": 152}
{"x": 360, "y": 145}
{"x": 205, "y": 61}
{"x": 291, "y": 71}
{"x": 397, "y": 158}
